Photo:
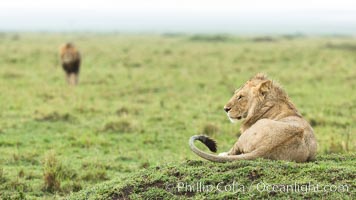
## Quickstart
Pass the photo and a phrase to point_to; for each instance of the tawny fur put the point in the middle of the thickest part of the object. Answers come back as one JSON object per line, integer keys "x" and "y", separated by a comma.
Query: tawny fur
{"x": 70, "y": 60}
{"x": 272, "y": 127}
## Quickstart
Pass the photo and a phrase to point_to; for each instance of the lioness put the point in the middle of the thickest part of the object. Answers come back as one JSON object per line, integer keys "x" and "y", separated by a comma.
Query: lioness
{"x": 272, "y": 127}
{"x": 70, "y": 59}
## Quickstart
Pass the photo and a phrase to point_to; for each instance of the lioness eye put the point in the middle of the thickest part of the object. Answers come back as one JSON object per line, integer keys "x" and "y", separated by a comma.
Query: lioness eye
{"x": 238, "y": 98}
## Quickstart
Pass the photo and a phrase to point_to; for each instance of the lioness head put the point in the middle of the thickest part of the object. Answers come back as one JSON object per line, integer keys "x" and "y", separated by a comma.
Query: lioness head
{"x": 247, "y": 98}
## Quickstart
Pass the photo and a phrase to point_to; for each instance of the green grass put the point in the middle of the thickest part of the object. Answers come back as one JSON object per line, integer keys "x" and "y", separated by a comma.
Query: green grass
{"x": 331, "y": 177}
{"x": 140, "y": 98}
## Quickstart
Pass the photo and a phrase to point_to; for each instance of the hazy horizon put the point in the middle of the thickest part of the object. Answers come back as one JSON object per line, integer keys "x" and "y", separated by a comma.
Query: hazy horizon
{"x": 169, "y": 16}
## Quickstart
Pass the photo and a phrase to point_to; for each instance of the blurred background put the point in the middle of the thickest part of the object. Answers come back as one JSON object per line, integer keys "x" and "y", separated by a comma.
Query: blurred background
{"x": 197, "y": 16}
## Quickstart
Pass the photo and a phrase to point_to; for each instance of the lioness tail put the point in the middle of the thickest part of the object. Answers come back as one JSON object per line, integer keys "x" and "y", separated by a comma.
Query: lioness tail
{"x": 211, "y": 144}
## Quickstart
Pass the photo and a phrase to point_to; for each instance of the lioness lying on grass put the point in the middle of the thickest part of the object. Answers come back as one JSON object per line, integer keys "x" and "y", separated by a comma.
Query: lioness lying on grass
{"x": 272, "y": 126}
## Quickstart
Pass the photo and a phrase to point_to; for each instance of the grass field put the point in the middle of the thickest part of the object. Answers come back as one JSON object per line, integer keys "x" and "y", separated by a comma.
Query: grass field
{"x": 141, "y": 97}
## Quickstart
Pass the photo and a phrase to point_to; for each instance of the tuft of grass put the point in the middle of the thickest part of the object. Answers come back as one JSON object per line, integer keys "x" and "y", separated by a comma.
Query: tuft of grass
{"x": 55, "y": 172}
{"x": 210, "y": 38}
{"x": 95, "y": 175}
{"x": 335, "y": 147}
{"x": 123, "y": 125}
{"x": 125, "y": 111}
{"x": 12, "y": 74}
{"x": 264, "y": 39}
{"x": 342, "y": 46}
{"x": 28, "y": 157}
{"x": 19, "y": 187}
{"x": 54, "y": 117}
{"x": 72, "y": 186}
{"x": 21, "y": 173}
{"x": 51, "y": 172}
{"x": 122, "y": 111}
{"x": 2, "y": 176}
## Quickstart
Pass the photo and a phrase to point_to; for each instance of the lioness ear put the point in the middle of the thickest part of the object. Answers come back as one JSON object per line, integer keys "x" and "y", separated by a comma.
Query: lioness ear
{"x": 264, "y": 87}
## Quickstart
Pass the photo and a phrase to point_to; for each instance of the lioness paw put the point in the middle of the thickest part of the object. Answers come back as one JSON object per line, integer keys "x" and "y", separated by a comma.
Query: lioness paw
{"x": 223, "y": 154}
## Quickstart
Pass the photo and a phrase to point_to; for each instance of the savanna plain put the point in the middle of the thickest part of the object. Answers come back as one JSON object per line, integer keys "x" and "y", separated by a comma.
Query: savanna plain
{"x": 123, "y": 132}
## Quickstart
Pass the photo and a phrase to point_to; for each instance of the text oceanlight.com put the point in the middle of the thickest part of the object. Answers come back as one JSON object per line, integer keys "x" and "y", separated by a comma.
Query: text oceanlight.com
{"x": 235, "y": 187}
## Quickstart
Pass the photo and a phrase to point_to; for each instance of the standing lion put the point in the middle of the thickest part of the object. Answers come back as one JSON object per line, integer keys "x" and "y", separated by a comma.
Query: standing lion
{"x": 70, "y": 59}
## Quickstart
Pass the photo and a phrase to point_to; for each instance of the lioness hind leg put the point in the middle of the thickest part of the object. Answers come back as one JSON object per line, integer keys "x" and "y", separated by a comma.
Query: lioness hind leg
{"x": 224, "y": 154}
{"x": 270, "y": 139}
{"x": 233, "y": 151}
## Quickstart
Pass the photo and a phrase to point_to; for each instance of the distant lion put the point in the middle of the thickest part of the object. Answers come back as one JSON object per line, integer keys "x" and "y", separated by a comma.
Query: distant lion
{"x": 70, "y": 59}
{"x": 272, "y": 128}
